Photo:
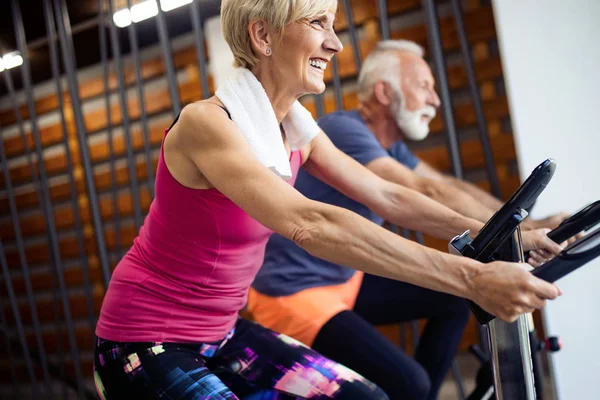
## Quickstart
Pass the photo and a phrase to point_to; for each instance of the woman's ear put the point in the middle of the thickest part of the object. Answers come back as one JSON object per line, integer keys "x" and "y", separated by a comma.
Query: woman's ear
{"x": 383, "y": 93}
{"x": 260, "y": 37}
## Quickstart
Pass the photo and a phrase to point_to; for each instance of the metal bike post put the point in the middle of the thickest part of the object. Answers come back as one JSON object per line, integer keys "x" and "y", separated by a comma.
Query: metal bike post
{"x": 510, "y": 349}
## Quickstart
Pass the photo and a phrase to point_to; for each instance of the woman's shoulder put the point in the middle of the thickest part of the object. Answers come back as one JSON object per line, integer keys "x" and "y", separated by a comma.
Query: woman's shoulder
{"x": 203, "y": 118}
{"x": 198, "y": 131}
{"x": 204, "y": 111}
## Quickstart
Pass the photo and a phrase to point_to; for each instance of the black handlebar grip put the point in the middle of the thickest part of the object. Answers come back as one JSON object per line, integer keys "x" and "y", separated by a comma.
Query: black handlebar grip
{"x": 573, "y": 257}
{"x": 578, "y": 222}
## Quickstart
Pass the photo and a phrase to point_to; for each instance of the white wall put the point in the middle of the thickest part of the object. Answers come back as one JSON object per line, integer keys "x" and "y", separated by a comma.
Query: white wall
{"x": 221, "y": 57}
{"x": 551, "y": 56}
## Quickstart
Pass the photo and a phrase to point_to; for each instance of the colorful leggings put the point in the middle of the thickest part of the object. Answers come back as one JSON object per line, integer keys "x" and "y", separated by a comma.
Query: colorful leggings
{"x": 251, "y": 363}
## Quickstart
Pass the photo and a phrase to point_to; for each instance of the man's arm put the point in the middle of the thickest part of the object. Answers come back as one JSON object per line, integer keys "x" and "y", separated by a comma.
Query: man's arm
{"x": 396, "y": 203}
{"x": 450, "y": 196}
{"x": 425, "y": 170}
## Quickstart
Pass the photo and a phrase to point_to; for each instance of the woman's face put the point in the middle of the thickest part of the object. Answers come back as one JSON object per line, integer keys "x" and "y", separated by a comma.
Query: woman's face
{"x": 304, "y": 52}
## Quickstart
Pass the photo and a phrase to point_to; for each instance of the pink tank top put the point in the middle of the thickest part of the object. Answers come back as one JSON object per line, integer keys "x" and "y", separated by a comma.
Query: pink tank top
{"x": 187, "y": 274}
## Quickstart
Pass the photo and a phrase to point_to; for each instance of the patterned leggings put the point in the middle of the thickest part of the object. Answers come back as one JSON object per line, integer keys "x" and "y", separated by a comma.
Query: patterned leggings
{"x": 251, "y": 363}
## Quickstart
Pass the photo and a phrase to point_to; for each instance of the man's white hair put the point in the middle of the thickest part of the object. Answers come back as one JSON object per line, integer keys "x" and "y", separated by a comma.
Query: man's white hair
{"x": 383, "y": 64}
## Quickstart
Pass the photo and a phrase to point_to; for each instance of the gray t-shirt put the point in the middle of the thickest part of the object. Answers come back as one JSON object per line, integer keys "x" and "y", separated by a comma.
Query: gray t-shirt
{"x": 287, "y": 268}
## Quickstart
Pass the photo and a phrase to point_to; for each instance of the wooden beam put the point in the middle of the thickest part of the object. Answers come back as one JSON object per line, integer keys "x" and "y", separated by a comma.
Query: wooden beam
{"x": 64, "y": 217}
{"x": 503, "y": 148}
{"x": 40, "y": 253}
{"x": 45, "y": 309}
{"x": 87, "y": 367}
{"x": 42, "y": 280}
{"x": 151, "y": 69}
{"x": 479, "y": 23}
{"x": 364, "y": 11}
{"x": 28, "y": 200}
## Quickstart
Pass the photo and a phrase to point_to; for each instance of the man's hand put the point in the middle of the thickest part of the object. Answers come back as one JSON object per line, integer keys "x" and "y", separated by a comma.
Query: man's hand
{"x": 541, "y": 248}
{"x": 538, "y": 256}
{"x": 507, "y": 290}
{"x": 550, "y": 222}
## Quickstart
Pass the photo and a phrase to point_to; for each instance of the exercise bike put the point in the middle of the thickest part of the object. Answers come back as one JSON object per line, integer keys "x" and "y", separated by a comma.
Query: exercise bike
{"x": 515, "y": 366}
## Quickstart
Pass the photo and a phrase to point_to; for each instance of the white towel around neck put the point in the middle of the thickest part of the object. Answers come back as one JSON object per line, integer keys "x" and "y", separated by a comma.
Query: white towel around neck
{"x": 250, "y": 108}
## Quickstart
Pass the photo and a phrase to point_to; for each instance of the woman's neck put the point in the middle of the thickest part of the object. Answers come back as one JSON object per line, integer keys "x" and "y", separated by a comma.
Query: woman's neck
{"x": 281, "y": 98}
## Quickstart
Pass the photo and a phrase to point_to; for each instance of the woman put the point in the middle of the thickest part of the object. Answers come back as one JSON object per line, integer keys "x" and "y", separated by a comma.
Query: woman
{"x": 169, "y": 325}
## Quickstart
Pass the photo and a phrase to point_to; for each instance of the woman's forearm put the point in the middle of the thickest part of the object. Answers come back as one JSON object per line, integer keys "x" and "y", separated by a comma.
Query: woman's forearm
{"x": 346, "y": 238}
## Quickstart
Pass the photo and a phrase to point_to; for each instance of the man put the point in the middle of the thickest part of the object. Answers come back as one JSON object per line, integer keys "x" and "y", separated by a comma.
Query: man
{"x": 333, "y": 308}
{"x": 398, "y": 101}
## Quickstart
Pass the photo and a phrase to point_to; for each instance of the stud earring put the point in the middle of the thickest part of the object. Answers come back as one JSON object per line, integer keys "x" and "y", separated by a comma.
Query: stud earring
{"x": 268, "y": 51}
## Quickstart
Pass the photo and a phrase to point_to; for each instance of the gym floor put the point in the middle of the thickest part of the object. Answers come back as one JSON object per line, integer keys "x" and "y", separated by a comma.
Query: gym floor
{"x": 468, "y": 365}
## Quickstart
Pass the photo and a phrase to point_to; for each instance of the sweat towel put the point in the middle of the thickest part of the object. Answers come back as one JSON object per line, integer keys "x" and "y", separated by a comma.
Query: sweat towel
{"x": 250, "y": 108}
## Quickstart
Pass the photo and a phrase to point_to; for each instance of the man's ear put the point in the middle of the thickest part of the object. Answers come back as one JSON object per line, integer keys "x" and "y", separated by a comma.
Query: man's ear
{"x": 383, "y": 93}
{"x": 260, "y": 37}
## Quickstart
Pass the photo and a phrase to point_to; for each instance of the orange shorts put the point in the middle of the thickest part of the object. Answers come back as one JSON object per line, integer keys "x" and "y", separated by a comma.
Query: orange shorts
{"x": 303, "y": 314}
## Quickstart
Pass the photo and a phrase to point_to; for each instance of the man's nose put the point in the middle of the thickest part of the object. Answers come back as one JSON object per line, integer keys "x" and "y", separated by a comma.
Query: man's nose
{"x": 434, "y": 99}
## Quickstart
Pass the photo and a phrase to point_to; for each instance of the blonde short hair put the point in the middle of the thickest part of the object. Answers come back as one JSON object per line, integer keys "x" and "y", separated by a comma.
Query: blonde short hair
{"x": 237, "y": 14}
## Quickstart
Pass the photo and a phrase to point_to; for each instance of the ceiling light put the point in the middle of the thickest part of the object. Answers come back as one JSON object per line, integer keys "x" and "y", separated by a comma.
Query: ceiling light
{"x": 122, "y": 18}
{"x": 168, "y": 5}
{"x": 10, "y": 60}
{"x": 144, "y": 10}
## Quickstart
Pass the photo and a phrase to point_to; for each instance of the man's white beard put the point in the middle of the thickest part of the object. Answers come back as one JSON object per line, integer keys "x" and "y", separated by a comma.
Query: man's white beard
{"x": 410, "y": 122}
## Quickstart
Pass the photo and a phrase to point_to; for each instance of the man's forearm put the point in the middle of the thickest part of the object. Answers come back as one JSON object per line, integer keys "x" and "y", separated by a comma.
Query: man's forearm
{"x": 413, "y": 210}
{"x": 458, "y": 200}
{"x": 484, "y": 197}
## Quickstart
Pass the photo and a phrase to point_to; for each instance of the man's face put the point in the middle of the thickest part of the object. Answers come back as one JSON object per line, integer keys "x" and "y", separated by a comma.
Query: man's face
{"x": 415, "y": 105}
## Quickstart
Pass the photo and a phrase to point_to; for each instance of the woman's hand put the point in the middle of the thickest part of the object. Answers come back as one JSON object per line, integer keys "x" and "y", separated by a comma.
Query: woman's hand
{"x": 507, "y": 290}
{"x": 541, "y": 248}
